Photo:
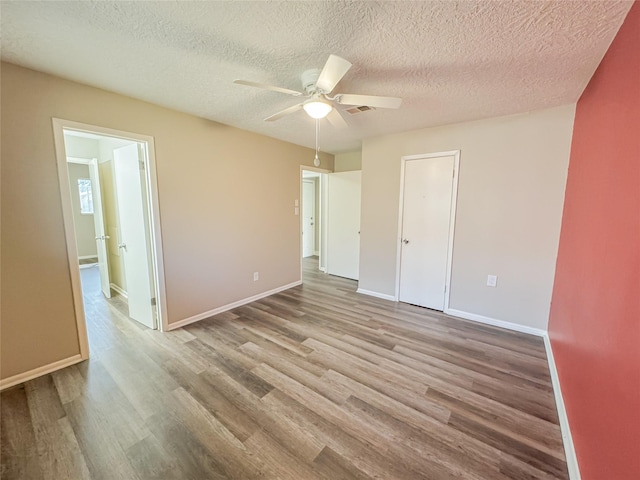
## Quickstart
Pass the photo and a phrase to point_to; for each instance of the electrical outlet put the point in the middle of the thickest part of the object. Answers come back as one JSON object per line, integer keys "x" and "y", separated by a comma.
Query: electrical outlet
{"x": 296, "y": 210}
{"x": 256, "y": 276}
{"x": 492, "y": 280}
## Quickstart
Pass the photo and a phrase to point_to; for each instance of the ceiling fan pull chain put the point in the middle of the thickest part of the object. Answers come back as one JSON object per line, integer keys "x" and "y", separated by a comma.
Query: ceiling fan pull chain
{"x": 316, "y": 161}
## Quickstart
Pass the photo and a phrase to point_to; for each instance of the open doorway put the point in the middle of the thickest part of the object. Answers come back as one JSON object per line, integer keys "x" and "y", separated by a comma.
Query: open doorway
{"x": 312, "y": 212}
{"x": 109, "y": 203}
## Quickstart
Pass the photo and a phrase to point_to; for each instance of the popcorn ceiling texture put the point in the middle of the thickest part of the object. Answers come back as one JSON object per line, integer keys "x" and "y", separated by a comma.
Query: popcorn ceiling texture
{"x": 450, "y": 61}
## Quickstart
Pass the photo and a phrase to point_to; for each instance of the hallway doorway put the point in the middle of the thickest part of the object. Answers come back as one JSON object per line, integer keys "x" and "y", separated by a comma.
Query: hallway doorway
{"x": 108, "y": 183}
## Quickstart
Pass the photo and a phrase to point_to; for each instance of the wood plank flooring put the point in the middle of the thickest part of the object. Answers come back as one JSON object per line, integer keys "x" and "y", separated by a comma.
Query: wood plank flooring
{"x": 316, "y": 382}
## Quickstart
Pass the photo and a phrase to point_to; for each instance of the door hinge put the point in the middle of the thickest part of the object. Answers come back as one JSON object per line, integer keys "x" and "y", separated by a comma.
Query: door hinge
{"x": 153, "y": 301}
{"x": 141, "y": 162}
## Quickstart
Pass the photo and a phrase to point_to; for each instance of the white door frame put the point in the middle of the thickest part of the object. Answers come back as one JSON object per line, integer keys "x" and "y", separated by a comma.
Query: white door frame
{"x": 452, "y": 218}
{"x": 320, "y": 222}
{"x": 59, "y": 125}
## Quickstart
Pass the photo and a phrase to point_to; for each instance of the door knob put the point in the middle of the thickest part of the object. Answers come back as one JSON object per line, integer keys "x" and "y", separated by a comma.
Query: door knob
{"x": 122, "y": 245}
{"x": 405, "y": 241}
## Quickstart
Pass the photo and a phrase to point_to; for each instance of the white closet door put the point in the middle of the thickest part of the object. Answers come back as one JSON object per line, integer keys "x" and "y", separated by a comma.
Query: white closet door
{"x": 343, "y": 224}
{"x": 134, "y": 245}
{"x": 428, "y": 187}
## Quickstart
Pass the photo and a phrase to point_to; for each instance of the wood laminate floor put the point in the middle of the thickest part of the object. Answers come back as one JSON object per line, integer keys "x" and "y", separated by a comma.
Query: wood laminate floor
{"x": 316, "y": 382}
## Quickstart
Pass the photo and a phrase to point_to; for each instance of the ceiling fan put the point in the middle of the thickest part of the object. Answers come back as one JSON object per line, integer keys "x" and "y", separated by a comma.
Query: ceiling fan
{"x": 318, "y": 85}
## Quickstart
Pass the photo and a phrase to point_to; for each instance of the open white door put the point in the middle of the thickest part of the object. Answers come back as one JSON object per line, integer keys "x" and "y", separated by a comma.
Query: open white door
{"x": 426, "y": 222}
{"x": 101, "y": 236}
{"x": 343, "y": 224}
{"x": 308, "y": 221}
{"x": 133, "y": 228}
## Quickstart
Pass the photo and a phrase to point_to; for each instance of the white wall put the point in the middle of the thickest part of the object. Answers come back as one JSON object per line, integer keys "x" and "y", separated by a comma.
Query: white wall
{"x": 510, "y": 195}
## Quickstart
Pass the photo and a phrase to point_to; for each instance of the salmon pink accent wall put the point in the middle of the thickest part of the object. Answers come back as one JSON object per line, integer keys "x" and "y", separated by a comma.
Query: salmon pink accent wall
{"x": 594, "y": 323}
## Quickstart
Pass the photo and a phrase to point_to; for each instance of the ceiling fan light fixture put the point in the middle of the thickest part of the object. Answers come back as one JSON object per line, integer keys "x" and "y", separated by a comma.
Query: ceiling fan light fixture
{"x": 316, "y": 108}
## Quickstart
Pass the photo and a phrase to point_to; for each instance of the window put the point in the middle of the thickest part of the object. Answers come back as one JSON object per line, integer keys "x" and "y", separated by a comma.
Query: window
{"x": 86, "y": 196}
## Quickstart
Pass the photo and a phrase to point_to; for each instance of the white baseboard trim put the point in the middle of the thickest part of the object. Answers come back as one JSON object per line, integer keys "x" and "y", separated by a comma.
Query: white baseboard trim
{"x": 119, "y": 290}
{"x": 383, "y": 296}
{"x": 38, "y": 372}
{"x": 323, "y": 269}
{"x": 567, "y": 440}
{"x": 496, "y": 323}
{"x": 84, "y": 257}
{"x": 88, "y": 265}
{"x": 230, "y": 306}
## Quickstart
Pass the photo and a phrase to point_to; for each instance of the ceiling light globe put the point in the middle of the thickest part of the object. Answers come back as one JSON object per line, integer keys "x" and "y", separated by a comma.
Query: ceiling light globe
{"x": 317, "y": 108}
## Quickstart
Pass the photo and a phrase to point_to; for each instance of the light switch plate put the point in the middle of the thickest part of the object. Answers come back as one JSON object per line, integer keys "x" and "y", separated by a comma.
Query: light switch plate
{"x": 492, "y": 280}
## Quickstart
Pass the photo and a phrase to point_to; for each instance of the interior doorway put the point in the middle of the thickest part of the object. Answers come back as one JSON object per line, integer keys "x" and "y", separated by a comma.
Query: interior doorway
{"x": 109, "y": 203}
{"x": 310, "y": 216}
{"x": 312, "y": 211}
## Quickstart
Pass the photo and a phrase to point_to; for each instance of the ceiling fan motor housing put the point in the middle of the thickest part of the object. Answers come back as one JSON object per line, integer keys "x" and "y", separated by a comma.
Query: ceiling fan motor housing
{"x": 309, "y": 79}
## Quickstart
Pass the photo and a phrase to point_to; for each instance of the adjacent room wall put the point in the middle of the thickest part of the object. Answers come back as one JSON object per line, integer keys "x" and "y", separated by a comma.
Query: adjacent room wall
{"x": 347, "y": 162}
{"x": 595, "y": 314}
{"x": 81, "y": 147}
{"x": 510, "y": 194}
{"x": 226, "y": 204}
{"x": 83, "y": 223}
{"x": 85, "y": 148}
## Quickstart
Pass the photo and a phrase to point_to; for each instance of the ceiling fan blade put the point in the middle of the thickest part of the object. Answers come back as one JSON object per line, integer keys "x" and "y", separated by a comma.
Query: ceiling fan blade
{"x": 268, "y": 87}
{"x": 283, "y": 113}
{"x": 336, "y": 119}
{"x": 368, "y": 100}
{"x": 333, "y": 71}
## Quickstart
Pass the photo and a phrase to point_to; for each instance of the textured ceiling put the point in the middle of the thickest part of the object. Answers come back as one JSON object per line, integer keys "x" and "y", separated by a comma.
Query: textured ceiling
{"x": 450, "y": 61}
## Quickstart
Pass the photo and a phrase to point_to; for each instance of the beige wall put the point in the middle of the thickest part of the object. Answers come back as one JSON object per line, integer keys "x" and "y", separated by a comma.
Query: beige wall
{"x": 511, "y": 190}
{"x": 83, "y": 223}
{"x": 226, "y": 204}
{"x": 347, "y": 162}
